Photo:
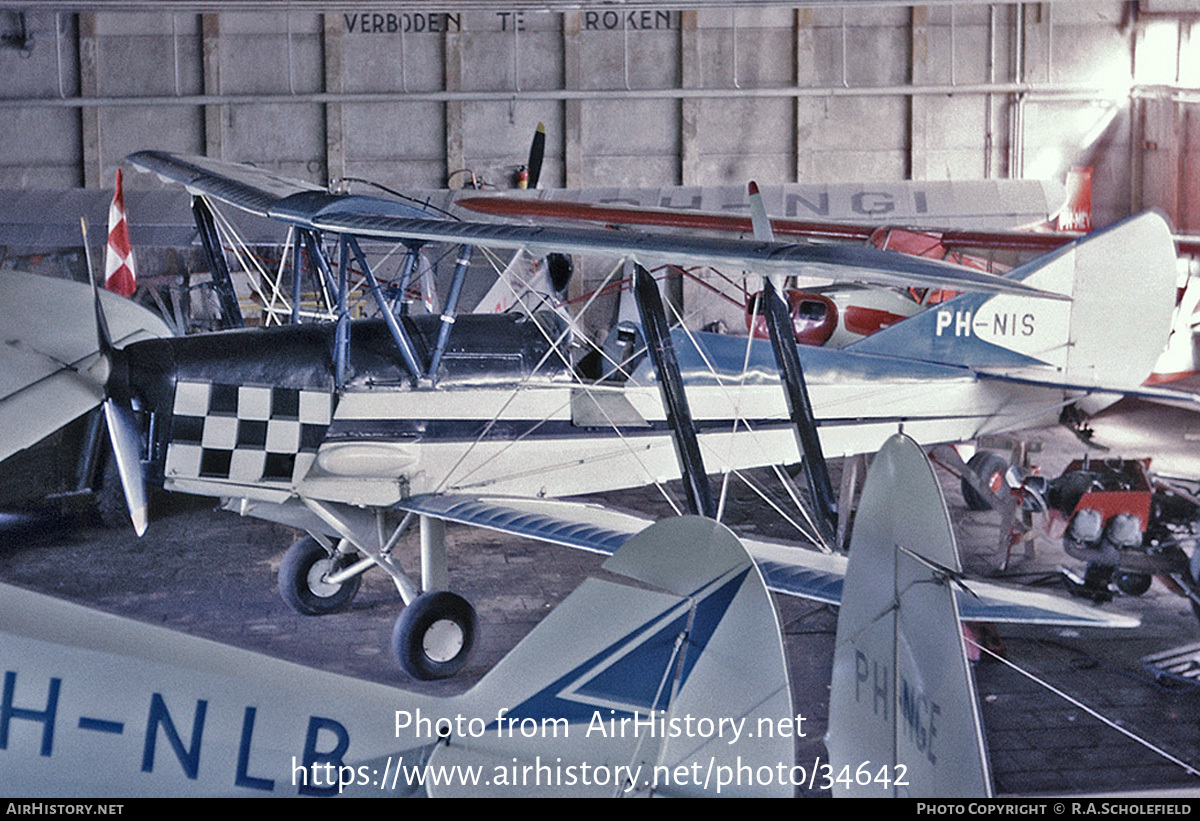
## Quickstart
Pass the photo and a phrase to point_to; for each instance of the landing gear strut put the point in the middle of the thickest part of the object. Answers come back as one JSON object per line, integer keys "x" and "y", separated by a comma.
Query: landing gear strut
{"x": 435, "y": 633}
{"x": 302, "y": 583}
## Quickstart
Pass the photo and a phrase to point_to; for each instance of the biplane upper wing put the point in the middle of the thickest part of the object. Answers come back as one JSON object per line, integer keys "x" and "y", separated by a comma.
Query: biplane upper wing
{"x": 792, "y": 571}
{"x": 836, "y": 262}
{"x": 48, "y": 376}
{"x": 306, "y": 205}
{"x": 243, "y": 186}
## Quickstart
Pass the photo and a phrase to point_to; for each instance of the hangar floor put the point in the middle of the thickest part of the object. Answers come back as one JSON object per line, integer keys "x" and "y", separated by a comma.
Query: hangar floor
{"x": 213, "y": 574}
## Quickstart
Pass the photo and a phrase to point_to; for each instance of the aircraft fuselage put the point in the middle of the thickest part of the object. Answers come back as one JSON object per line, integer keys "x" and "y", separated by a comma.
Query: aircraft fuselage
{"x": 256, "y": 414}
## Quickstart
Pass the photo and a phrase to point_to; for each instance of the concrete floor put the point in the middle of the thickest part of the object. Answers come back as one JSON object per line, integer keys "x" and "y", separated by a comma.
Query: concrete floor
{"x": 213, "y": 574}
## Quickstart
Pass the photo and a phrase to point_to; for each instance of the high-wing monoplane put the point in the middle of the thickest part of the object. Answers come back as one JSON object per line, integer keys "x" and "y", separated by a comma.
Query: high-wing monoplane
{"x": 353, "y": 430}
{"x": 844, "y": 312}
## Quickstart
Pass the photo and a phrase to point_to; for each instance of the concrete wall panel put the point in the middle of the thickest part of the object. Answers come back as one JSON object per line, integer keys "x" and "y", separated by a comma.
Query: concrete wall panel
{"x": 763, "y": 41}
{"x": 630, "y": 171}
{"x": 134, "y": 128}
{"x": 35, "y": 72}
{"x": 40, "y": 148}
{"x": 278, "y": 136}
{"x": 652, "y": 58}
{"x": 630, "y": 127}
{"x": 393, "y": 62}
{"x": 856, "y": 123}
{"x": 398, "y": 131}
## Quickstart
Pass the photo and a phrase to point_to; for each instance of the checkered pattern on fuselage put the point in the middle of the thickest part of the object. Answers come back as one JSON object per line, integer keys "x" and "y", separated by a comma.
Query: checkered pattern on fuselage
{"x": 244, "y": 433}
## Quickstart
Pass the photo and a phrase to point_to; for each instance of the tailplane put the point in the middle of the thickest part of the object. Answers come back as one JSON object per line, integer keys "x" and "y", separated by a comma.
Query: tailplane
{"x": 1121, "y": 281}
{"x": 903, "y": 718}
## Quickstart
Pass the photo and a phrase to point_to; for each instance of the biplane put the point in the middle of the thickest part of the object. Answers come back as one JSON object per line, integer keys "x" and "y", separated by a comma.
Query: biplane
{"x": 673, "y": 685}
{"x": 353, "y": 430}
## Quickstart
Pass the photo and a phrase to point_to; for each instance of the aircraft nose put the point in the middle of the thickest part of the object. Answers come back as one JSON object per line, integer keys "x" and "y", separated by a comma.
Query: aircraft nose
{"x": 145, "y": 374}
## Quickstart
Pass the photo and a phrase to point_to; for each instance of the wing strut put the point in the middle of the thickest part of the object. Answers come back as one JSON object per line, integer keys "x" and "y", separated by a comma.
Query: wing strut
{"x": 341, "y": 338}
{"x": 791, "y": 374}
{"x": 318, "y": 259}
{"x": 411, "y": 257}
{"x": 297, "y": 268}
{"x": 231, "y": 312}
{"x": 670, "y": 382}
{"x": 460, "y": 273}
{"x": 398, "y": 332}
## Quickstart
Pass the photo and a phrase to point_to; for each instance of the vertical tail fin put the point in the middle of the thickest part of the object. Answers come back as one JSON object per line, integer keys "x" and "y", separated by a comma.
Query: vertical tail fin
{"x": 1076, "y": 213}
{"x": 902, "y": 696}
{"x": 1122, "y": 283}
{"x": 641, "y": 667}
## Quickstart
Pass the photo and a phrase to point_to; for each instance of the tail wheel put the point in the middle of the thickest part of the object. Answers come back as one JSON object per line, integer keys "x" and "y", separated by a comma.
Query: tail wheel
{"x": 302, "y": 583}
{"x": 990, "y": 468}
{"x": 434, "y": 636}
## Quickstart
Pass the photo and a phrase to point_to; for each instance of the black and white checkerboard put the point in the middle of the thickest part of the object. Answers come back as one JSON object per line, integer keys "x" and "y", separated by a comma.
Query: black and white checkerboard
{"x": 245, "y": 434}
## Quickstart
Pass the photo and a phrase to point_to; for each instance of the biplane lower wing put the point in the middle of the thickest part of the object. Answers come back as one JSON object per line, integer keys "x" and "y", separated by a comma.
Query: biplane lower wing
{"x": 788, "y": 570}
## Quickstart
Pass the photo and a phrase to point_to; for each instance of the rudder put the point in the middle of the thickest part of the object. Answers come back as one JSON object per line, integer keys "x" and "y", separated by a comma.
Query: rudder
{"x": 902, "y": 698}
{"x": 1122, "y": 284}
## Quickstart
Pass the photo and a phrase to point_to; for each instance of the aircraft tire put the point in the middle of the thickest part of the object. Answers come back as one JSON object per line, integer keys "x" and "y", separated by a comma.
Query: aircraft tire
{"x": 987, "y": 465}
{"x": 434, "y": 636}
{"x": 300, "y": 582}
{"x": 1132, "y": 584}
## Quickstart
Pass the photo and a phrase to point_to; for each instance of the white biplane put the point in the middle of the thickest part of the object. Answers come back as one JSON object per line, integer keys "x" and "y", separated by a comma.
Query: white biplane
{"x": 353, "y": 430}
{"x": 676, "y": 685}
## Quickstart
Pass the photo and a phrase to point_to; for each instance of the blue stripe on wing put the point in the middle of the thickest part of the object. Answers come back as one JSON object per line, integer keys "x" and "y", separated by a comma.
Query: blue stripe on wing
{"x": 542, "y": 527}
{"x": 563, "y": 523}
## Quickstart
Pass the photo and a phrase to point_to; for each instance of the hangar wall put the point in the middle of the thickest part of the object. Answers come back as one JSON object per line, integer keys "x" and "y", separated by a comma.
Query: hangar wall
{"x": 628, "y": 97}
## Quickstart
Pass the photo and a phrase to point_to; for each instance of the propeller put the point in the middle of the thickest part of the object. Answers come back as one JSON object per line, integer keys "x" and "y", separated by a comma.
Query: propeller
{"x": 123, "y": 431}
{"x": 537, "y": 152}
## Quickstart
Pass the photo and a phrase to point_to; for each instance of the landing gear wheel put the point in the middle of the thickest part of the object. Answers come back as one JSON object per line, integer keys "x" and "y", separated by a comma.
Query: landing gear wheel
{"x": 1132, "y": 584}
{"x": 301, "y": 580}
{"x": 990, "y": 468}
{"x": 434, "y": 635}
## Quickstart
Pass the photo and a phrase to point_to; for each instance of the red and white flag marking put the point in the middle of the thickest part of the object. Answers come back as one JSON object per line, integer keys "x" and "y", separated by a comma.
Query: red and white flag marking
{"x": 120, "y": 275}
